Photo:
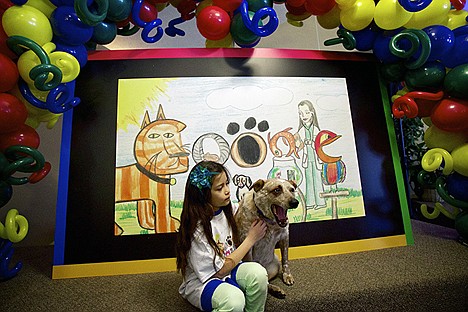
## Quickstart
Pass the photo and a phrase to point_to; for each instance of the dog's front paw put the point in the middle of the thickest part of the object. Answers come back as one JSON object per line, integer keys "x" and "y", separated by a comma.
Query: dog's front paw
{"x": 276, "y": 291}
{"x": 288, "y": 279}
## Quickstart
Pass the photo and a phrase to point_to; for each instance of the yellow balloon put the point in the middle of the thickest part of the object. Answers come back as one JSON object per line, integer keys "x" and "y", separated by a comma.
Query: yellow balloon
{"x": 434, "y": 14}
{"x": 460, "y": 160}
{"x": 28, "y": 22}
{"x": 297, "y": 20}
{"x": 345, "y": 3}
{"x": 427, "y": 121}
{"x": 433, "y": 159}
{"x": 161, "y": 6}
{"x": 45, "y": 6}
{"x": 28, "y": 60}
{"x": 456, "y": 18}
{"x": 331, "y": 19}
{"x": 67, "y": 63}
{"x": 36, "y": 115}
{"x": 448, "y": 140}
{"x": 202, "y": 5}
{"x": 389, "y": 15}
{"x": 16, "y": 227}
{"x": 358, "y": 16}
{"x": 226, "y": 42}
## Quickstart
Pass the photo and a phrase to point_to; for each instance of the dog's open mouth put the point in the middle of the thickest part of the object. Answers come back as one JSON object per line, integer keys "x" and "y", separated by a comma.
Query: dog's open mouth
{"x": 280, "y": 215}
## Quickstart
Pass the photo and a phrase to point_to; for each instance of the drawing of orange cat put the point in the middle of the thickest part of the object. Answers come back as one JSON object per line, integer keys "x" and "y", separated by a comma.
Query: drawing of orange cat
{"x": 158, "y": 152}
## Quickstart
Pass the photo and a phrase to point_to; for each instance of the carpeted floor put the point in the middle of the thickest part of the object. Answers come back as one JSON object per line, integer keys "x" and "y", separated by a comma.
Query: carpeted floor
{"x": 432, "y": 275}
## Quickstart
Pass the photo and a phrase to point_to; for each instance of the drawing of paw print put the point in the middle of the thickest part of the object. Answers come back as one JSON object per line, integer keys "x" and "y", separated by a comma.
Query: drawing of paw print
{"x": 249, "y": 149}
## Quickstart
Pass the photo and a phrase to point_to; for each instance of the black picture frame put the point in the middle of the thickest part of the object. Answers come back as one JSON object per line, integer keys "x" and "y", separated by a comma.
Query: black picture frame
{"x": 85, "y": 208}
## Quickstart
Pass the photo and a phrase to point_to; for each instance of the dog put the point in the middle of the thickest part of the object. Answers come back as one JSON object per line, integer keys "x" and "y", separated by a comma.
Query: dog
{"x": 269, "y": 200}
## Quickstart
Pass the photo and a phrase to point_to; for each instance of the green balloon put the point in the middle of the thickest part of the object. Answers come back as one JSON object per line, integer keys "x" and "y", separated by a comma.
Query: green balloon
{"x": 240, "y": 33}
{"x": 255, "y": 5}
{"x": 456, "y": 82}
{"x": 429, "y": 77}
{"x": 394, "y": 72}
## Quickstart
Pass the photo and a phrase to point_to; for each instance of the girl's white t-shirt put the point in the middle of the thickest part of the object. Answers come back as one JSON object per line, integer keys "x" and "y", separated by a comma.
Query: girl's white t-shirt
{"x": 200, "y": 266}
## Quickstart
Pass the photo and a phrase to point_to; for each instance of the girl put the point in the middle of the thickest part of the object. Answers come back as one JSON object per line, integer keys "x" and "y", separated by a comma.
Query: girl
{"x": 308, "y": 128}
{"x": 215, "y": 279}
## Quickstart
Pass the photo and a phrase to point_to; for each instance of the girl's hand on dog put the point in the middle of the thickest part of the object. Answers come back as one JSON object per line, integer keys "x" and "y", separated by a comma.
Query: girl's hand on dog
{"x": 257, "y": 230}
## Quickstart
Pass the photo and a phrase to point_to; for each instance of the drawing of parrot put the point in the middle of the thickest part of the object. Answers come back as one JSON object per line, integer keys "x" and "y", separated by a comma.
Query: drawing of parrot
{"x": 333, "y": 168}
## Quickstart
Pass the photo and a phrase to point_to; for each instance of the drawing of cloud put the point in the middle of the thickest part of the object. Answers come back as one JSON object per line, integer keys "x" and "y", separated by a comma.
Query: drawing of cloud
{"x": 332, "y": 103}
{"x": 248, "y": 97}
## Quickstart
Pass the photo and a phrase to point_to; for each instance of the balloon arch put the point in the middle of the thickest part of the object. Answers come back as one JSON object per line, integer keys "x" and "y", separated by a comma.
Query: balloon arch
{"x": 422, "y": 46}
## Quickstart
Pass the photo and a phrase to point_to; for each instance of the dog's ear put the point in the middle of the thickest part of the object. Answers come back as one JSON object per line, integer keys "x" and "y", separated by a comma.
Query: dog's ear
{"x": 257, "y": 186}
{"x": 293, "y": 183}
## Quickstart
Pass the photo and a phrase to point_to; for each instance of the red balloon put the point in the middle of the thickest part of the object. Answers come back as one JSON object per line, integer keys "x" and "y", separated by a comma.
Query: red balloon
{"x": 295, "y": 3}
{"x": 155, "y": 2}
{"x": 319, "y": 7}
{"x": 295, "y": 10}
{"x": 125, "y": 22}
{"x": 25, "y": 135}
{"x": 10, "y": 74}
{"x": 416, "y": 103}
{"x": 148, "y": 12}
{"x": 41, "y": 174}
{"x": 213, "y": 23}
{"x": 451, "y": 115}
{"x": 5, "y": 4}
{"x": 13, "y": 113}
{"x": 228, "y": 5}
{"x": 4, "y": 49}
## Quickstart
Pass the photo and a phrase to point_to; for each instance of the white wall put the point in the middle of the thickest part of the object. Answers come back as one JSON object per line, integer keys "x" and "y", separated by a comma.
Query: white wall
{"x": 37, "y": 201}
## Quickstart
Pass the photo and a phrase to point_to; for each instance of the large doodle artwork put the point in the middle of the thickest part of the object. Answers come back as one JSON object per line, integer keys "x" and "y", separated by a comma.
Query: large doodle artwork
{"x": 296, "y": 128}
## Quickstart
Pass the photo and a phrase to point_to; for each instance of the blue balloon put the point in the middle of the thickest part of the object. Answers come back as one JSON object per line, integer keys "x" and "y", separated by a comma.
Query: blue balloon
{"x": 414, "y": 6}
{"x": 365, "y": 39}
{"x": 381, "y": 49}
{"x": 68, "y": 27}
{"x": 148, "y": 28}
{"x": 78, "y": 51}
{"x": 459, "y": 53}
{"x": 62, "y": 98}
{"x": 442, "y": 41}
{"x": 59, "y": 100}
{"x": 6, "y": 253}
{"x": 255, "y": 25}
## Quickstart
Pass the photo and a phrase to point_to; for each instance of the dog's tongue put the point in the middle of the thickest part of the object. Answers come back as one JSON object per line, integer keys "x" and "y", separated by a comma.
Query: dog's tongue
{"x": 281, "y": 215}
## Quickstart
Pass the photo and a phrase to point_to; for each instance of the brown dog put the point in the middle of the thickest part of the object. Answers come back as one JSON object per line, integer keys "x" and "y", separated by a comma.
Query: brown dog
{"x": 269, "y": 200}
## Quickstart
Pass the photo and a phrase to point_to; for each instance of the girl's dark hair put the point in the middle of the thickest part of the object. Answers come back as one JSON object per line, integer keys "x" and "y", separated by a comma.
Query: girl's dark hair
{"x": 311, "y": 108}
{"x": 196, "y": 209}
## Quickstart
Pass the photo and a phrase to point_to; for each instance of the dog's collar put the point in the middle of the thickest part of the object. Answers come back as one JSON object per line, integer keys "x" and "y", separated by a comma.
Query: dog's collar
{"x": 260, "y": 213}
